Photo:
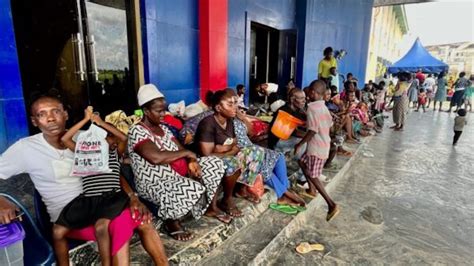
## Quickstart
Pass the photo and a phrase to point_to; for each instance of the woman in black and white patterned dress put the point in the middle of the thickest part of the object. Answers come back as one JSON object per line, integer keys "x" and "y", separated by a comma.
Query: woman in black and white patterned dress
{"x": 167, "y": 174}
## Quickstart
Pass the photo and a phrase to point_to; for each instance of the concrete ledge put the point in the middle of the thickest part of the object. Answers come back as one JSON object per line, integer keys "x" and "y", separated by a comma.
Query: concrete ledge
{"x": 208, "y": 233}
{"x": 266, "y": 255}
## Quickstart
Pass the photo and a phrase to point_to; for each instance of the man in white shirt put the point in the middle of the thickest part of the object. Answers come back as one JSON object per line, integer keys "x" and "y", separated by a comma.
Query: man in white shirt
{"x": 47, "y": 161}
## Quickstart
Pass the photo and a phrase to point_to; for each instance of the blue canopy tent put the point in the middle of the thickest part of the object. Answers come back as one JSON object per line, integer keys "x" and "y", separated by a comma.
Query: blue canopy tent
{"x": 418, "y": 58}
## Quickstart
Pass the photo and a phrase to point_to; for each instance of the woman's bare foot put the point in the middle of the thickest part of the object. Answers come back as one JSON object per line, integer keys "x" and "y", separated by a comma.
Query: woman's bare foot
{"x": 284, "y": 200}
{"x": 243, "y": 193}
{"x": 295, "y": 198}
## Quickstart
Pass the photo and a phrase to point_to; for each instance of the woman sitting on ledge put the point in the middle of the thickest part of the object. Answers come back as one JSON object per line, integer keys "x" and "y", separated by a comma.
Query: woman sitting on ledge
{"x": 221, "y": 135}
{"x": 167, "y": 174}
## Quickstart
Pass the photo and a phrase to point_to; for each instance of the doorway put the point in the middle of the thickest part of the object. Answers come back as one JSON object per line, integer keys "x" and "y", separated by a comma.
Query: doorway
{"x": 79, "y": 50}
{"x": 272, "y": 60}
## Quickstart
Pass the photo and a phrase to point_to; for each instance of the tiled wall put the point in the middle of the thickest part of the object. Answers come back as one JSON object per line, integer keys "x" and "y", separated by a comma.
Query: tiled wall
{"x": 13, "y": 123}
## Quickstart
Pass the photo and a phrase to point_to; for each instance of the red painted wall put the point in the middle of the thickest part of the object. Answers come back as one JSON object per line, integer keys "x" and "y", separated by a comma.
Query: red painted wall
{"x": 212, "y": 45}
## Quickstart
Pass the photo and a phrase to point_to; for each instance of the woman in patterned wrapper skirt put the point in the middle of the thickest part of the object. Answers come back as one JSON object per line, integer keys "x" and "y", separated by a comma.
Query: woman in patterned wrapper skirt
{"x": 166, "y": 174}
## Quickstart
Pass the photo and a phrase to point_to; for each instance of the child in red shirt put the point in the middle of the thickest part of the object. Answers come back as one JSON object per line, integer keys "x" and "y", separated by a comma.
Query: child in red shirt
{"x": 422, "y": 97}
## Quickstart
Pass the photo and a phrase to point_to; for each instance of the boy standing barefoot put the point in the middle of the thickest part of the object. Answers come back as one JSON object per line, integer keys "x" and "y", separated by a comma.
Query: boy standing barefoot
{"x": 319, "y": 122}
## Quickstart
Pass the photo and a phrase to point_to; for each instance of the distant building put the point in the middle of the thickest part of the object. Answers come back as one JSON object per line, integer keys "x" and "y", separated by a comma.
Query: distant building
{"x": 459, "y": 56}
{"x": 389, "y": 26}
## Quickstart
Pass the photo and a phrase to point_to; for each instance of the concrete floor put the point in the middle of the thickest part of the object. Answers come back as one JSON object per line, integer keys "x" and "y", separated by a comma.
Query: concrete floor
{"x": 411, "y": 203}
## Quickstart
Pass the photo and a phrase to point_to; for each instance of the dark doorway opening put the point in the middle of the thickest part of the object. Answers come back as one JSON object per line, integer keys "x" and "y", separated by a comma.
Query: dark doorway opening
{"x": 79, "y": 50}
{"x": 272, "y": 60}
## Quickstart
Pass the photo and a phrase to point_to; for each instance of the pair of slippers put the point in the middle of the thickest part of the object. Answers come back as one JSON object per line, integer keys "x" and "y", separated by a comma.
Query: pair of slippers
{"x": 286, "y": 209}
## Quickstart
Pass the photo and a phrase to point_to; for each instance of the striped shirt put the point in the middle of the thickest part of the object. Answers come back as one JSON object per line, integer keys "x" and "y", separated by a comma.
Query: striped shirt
{"x": 96, "y": 185}
{"x": 319, "y": 120}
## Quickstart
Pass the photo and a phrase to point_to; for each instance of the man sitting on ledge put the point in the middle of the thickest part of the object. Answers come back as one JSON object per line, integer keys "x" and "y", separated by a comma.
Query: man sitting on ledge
{"x": 47, "y": 161}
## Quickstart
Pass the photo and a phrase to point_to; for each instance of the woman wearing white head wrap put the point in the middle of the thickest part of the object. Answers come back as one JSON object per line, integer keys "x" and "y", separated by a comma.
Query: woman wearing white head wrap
{"x": 167, "y": 174}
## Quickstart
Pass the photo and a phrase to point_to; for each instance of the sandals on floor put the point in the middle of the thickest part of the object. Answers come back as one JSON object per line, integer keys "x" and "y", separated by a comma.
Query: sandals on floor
{"x": 175, "y": 234}
{"x": 222, "y": 217}
{"x": 306, "y": 247}
{"x": 286, "y": 209}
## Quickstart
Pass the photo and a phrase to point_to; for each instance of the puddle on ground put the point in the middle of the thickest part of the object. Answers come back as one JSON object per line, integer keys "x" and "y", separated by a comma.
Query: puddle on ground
{"x": 372, "y": 215}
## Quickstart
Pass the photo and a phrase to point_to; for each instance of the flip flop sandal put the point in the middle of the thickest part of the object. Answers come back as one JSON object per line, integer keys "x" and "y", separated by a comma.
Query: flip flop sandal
{"x": 306, "y": 247}
{"x": 286, "y": 209}
{"x": 175, "y": 234}
{"x": 231, "y": 212}
{"x": 333, "y": 214}
{"x": 224, "y": 217}
{"x": 306, "y": 194}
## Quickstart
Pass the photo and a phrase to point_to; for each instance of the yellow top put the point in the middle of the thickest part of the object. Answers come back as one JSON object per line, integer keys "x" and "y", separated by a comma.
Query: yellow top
{"x": 391, "y": 90}
{"x": 402, "y": 88}
{"x": 325, "y": 66}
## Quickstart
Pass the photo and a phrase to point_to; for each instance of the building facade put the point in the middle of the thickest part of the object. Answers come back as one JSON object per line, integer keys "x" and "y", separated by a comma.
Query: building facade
{"x": 459, "y": 56}
{"x": 389, "y": 26}
{"x": 100, "y": 51}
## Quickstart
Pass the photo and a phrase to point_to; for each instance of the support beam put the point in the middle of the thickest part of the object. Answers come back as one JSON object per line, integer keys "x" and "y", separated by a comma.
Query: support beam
{"x": 212, "y": 45}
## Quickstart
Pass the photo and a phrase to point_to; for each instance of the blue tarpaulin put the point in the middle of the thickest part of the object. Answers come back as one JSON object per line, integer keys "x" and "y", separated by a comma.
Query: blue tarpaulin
{"x": 418, "y": 58}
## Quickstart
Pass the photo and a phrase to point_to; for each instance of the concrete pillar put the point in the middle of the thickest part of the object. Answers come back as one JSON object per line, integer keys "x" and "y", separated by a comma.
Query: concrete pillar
{"x": 212, "y": 45}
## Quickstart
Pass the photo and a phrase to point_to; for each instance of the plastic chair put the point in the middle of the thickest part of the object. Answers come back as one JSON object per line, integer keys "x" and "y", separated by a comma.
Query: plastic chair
{"x": 42, "y": 217}
{"x": 37, "y": 250}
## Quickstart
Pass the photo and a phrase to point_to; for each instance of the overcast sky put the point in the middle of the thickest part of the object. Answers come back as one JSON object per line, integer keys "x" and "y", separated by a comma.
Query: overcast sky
{"x": 440, "y": 22}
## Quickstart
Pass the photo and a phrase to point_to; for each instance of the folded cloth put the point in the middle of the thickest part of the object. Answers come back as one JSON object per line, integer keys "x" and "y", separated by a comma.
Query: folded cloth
{"x": 173, "y": 121}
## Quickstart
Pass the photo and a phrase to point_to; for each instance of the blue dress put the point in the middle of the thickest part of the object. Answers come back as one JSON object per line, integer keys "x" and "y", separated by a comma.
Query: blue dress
{"x": 440, "y": 95}
{"x": 413, "y": 91}
{"x": 273, "y": 167}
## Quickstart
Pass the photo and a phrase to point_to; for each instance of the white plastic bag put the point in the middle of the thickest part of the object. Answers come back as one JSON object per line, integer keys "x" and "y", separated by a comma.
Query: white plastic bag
{"x": 177, "y": 109}
{"x": 92, "y": 153}
{"x": 195, "y": 109}
{"x": 276, "y": 105}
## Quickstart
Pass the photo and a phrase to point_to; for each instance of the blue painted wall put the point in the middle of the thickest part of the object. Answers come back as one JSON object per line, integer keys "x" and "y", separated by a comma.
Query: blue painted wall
{"x": 13, "y": 123}
{"x": 341, "y": 24}
{"x": 170, "y": 46}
